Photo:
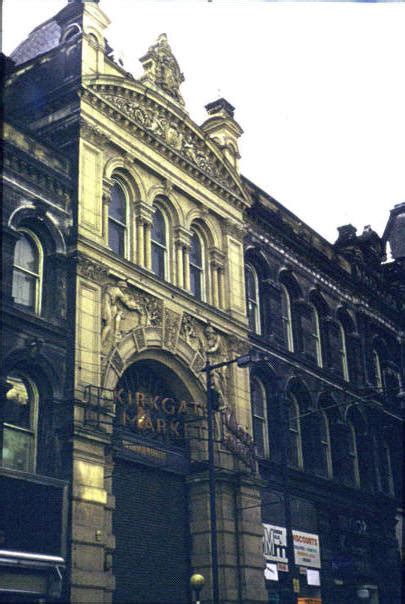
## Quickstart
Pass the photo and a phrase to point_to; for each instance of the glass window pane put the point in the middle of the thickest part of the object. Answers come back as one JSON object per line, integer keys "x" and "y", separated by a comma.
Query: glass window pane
{"x": 258, "y": 436}
{"x": 195, "y": 251}
{"x": 117, "y": 204}
{"x": 195, "y": 281}
{"x": 17, "y": 449}
{"x": 116, "y": 235}
{"x": 24, "y": 288}
{"x": 17, "y": 408}
{"x": 257, "y": 400}
{"x": 26, "y": 254}
{"x": 250, "y": 284}
{"x": 158, "y": 260}
{"x": 159, "y": 228}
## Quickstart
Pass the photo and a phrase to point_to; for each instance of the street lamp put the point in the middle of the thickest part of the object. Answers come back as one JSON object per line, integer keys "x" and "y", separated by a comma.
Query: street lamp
{"x": 197, "y": 583}
{"x": 241, "y": 361}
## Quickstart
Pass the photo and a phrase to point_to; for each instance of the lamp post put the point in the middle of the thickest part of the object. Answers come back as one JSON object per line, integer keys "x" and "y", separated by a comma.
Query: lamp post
{"x": 290, "y": 594}
{"x": 197, "y": 583}
{"x": 242, "y": 361}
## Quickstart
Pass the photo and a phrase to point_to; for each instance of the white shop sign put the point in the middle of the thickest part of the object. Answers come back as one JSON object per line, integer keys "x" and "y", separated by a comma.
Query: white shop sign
{"x": 306, "y": 549}
{"x": 275, "y": 543}
{"x": 306, "y": 546}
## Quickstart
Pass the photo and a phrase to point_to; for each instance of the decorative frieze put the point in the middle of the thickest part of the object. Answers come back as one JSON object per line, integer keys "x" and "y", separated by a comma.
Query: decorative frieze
{"x": 178, "y": 140}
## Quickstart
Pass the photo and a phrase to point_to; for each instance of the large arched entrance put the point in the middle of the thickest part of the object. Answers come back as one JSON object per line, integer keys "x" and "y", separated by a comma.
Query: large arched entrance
{"x": 150, "y": 461}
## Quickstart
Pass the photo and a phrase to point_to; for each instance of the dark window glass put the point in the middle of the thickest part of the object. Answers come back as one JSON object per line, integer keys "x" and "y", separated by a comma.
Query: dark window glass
{"x": 294, "y": 444}
{"x": 196, "y": 267}
{"x": 117, "y": 220}
{"x": 159, "y": 244}
{"x": 252, "y": 299}
{"x": 259, "y": 418}
{"x": 116, "y": 236}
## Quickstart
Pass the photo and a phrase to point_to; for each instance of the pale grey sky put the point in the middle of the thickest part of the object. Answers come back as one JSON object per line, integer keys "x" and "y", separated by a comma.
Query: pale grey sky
{"x": 319, "y": 91}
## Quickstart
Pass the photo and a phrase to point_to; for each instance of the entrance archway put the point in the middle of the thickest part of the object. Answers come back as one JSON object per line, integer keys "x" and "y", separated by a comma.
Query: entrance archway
{"x": 153, "y": 396}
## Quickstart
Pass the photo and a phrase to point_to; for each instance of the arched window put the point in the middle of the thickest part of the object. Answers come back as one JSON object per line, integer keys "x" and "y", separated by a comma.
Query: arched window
{"x": 19, "y": 423}
{"x": 117, "y": 221}
{"x": 159, "y": 245}
{"x": 387, "y": 477}
{"x": 308, "y": 334}
{"x": 286, "y": 316}
{"x": 325, "y": 453}
{"x": 377, "y": 371}
{"x": 343, "y": 353}
{"x": 197, "y": 267}
{"x": 27, "y": 271}
{"x": 294, "y": 433}
{"x": 353, "y": 476}
{"x": 252, "y": 298}
{"x": 259, "y": 413}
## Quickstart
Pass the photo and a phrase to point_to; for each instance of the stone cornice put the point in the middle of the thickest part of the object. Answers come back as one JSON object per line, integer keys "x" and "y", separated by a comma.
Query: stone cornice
{"x": 173, "y": 135}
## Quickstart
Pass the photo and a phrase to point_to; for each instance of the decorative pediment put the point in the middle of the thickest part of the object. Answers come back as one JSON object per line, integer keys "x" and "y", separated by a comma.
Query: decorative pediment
{"x": 162, "y": 70}
{"x": 175, "y": 136}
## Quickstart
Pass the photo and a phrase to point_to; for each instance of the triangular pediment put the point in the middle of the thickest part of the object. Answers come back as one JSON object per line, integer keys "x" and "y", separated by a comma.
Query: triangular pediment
{"x": 170, "y": 131}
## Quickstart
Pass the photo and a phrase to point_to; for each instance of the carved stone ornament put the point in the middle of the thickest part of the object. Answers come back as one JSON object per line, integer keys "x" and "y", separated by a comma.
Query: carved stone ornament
{"x": 207, "y": 342}
{"x": 93, "y": 133}
{"x": 162, "y": 70}
{"x": 171, "y": 326}
{"x": 92, "y": 270}
{"x": 177, "y": 135}
{"x": 124, "y": 309}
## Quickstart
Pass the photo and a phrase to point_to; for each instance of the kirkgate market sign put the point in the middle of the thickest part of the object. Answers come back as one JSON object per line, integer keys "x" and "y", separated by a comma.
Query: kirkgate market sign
{"x": 154, "y": 414}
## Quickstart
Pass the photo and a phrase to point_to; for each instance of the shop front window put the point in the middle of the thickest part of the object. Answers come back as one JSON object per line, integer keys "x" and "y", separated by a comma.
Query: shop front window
{"x": 19, "y": 424}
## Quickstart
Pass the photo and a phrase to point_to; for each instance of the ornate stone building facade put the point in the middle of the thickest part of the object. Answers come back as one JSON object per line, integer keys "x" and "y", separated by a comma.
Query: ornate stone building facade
{"x": 134, "y": 251}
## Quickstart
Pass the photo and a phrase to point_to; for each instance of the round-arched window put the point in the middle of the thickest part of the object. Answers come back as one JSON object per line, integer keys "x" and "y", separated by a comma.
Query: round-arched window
{"x": 19, "y": 423}
{"x": 117, "y": 220}
{"x": 27, "y": 271}
{"x": 159, "y": 244}
{"x": 196, "y": 267}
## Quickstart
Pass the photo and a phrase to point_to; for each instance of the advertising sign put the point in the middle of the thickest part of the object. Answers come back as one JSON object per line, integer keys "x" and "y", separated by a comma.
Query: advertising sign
{"x": 306, "y": 546}
{"x": 306, "y": 549}
{"x": 275, "y": 543}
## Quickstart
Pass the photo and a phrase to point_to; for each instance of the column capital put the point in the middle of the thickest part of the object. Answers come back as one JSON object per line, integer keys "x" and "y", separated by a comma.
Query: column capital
{"x": 144, "y": 212}
{"x": 107, "y": 186}
{"x": 217, "y": 257}
{"x": 182, "y": 236}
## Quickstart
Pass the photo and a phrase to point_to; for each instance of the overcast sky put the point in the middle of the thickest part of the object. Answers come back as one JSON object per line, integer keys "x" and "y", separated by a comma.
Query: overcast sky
{"x": 318, "y": 88}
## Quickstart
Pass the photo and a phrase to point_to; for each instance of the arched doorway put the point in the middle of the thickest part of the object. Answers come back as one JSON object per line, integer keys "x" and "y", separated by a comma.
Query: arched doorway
{"x": 150, "y": 521}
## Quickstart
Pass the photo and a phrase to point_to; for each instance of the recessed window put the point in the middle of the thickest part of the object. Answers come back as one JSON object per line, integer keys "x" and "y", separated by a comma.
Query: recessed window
{"x": 343, "y": 352}
{"x": 294, "y": 431}
{"x": 19, "y": 424}
{"x": 259, "y": 413}
{"x": 324, "y": 433}
{"x": 27, "y": 271}
{"x": 117, "y": 220}
{"x": 159, "y": 244}
{"x": 252, "y": 298}
{"x": 286, "y": 316}
{"x": 196, "y": 267}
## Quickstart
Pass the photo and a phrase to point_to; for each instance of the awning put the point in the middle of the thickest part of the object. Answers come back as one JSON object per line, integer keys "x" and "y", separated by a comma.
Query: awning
{"x": 31, "y": 574}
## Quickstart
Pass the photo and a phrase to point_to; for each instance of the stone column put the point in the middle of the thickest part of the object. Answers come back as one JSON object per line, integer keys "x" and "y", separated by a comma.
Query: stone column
{"x": 216, "y": 263}
{"x": 10, "y": 237}
{"x": 182, "y": 243}
{"x": 180, "y": 265}
{"x": 107, "y": 186}
{"x": 144, "y": 214}
{"x": 148, "y": 245}
{"x": 221, "y": 290}
{"x": 186, "y": 263}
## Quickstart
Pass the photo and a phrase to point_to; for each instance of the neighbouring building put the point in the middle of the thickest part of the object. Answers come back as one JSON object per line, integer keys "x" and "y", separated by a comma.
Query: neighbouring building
{"x": 133, "y": 251}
